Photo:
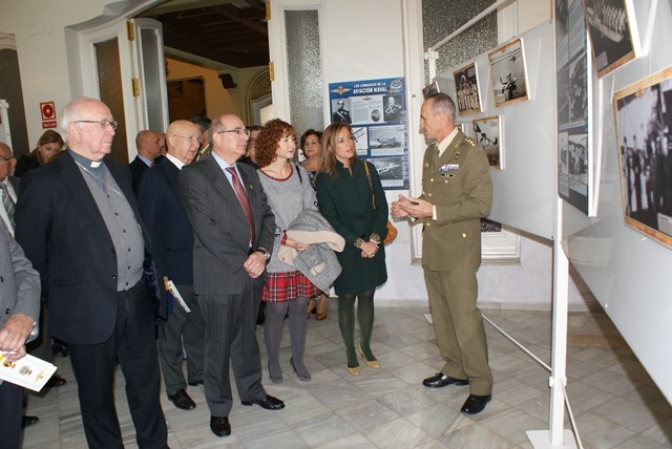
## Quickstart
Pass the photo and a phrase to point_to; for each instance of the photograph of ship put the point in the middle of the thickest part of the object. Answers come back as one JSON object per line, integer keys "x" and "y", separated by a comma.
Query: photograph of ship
{"x": 610, "y": 33}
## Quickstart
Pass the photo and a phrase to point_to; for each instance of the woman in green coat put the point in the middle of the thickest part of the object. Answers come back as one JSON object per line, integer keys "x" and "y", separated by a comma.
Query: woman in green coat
{"x": 352, "y": 199}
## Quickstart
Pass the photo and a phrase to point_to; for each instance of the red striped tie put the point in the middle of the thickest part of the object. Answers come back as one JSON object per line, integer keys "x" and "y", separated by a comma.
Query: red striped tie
{"x": 244, "y": 202}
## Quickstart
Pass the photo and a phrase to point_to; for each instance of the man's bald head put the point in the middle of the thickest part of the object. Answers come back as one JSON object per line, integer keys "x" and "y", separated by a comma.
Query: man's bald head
{"x": 149, "y": 144}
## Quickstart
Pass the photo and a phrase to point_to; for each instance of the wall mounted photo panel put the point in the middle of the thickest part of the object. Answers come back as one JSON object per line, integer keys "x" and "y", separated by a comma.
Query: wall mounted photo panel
{"x": 610, "y": 30}
{"x": 644, "y": 132}
{"x": 488, "y": 134}
{"x": 509, "y": 75}
{"x": 430, "y": 89}
{"x": 467, "y": 92}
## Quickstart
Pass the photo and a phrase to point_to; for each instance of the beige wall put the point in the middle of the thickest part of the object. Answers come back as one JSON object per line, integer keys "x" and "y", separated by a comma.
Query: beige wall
{"x": 218, "y": 100}
{"x": 38, "y": 26}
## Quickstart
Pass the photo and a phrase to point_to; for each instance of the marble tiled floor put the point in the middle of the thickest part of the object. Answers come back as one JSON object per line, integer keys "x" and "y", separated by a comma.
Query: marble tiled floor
{"x": 615, "y": 403}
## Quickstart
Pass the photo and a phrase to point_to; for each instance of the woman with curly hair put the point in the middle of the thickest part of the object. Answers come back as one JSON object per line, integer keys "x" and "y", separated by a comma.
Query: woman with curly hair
{"x": 289, "y": 193}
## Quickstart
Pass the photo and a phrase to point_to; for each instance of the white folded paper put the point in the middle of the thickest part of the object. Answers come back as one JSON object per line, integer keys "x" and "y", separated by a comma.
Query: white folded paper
{"x": 176, "y": 294}
{"x": 28, "y": 372}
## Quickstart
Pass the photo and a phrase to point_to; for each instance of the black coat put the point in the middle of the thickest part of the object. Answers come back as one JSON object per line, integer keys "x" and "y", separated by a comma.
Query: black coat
{"x": 60, "y": 228}
{"x": 345, "y": 201}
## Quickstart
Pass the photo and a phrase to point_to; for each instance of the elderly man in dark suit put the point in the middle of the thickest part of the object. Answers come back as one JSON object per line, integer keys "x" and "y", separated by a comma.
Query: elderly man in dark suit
{"x": 233, "y": 230}
{"x": 456, "y": 194}
{"x": 150, "y": 153}
{"x": 173, "y": 244}
{"x": 20, "y": 303}
{"x": 79, "y": 224}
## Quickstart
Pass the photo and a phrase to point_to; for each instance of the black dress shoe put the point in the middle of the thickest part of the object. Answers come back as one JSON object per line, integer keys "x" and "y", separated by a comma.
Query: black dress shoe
{"x": 182, "y": 400}
{"x": 475, "y": 404}
{"x": 442, "y": 380}
{"x": 268, "y": 402}
{"x": 195, "y": 384}
{"x": 28, "y": 421}
{"x": 56, "y": 381}
{"x": 220, "y": 425}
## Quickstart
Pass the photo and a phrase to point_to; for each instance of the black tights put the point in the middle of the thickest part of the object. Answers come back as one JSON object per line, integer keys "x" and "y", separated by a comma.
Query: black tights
{"x": 346, "y": 322}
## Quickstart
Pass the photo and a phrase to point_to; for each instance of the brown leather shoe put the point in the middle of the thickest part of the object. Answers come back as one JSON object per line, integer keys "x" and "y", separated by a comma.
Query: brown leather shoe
{"x": 311, "y": 307}
{"x": 322, "y": 307}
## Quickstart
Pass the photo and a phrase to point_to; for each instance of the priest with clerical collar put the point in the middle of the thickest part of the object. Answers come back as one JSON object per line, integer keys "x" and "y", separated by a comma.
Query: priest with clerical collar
{"x": 79, "y": 224}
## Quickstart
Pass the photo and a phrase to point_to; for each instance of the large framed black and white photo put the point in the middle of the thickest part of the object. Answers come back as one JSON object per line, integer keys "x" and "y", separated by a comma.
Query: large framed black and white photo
{"x": 610, "y": 29}
{"x": 644, "y": 133}
{"x": 509, "y": 75}
{"x": 467, "y": 94}
{"x": 488, "y": 134}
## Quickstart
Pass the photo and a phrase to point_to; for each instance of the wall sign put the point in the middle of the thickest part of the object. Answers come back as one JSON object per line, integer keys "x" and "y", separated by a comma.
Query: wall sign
{"x": 48, "y": 111}
{"x": 376, "y": 111}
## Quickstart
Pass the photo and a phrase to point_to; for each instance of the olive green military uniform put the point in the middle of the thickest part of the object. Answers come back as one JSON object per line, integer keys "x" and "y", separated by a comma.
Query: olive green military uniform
{"x": 459, "y": 185}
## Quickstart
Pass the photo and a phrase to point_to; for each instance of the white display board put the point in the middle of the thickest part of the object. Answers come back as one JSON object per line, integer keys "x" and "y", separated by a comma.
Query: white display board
{"x": 628, "y": 272}
{"x": 525, "y": 190}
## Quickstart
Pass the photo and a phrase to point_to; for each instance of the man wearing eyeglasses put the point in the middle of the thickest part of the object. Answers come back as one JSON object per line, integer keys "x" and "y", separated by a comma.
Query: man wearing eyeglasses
{"x": 9, "y": 186}
{"x": 233, "y": 227}
{"x": 79, "y": 224}
{"x": 148, "y": 144}
{"x": 173, "y": 243}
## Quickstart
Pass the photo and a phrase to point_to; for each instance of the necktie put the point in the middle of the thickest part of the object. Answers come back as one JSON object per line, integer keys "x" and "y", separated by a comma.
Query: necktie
{"x": 435, "y": 155}
{"x": 243, "y": 200}
{"x": 8, "y": 203}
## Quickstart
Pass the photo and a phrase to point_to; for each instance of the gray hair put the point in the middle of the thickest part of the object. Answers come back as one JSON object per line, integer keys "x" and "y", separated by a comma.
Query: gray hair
{"x": 442, "y": 103}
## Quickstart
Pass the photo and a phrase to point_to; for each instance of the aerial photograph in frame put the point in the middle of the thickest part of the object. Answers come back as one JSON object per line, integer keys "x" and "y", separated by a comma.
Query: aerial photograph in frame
{"x": 509, "y": 79}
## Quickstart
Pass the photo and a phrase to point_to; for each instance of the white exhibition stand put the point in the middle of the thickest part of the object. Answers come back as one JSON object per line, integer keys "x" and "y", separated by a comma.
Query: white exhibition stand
{"x": 557, "y": 436}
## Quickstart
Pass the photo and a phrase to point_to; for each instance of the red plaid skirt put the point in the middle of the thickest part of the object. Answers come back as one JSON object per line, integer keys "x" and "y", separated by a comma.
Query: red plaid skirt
{"x": 287, "y": 286}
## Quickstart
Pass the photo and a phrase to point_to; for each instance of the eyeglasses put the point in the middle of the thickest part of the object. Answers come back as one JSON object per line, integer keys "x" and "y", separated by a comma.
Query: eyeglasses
{"x": 238, "y": 131}
{"x": 102, "y": 123}
{"x": 191, "y": 139}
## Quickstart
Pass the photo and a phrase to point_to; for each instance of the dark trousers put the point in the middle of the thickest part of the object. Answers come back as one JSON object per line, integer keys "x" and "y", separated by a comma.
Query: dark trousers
{"x": 133, "y": 344}
{"x": 182, "y": 333}
{"x": 11, "y": 400}
{"x": 230, "y": 340}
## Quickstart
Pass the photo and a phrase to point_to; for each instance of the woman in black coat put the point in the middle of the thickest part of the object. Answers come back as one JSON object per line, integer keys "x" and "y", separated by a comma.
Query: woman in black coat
{"x": 49, "y": 146}
{"x": 354, "y": 204}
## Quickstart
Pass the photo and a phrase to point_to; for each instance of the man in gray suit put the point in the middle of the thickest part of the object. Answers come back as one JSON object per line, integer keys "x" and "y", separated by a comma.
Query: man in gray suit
{"x": 9, "y": 186}
{"x": 233, "y": 227}
{"x": 20, "y": 303}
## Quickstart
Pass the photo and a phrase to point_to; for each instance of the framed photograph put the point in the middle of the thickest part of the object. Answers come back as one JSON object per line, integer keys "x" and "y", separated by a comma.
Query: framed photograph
{"x": 610, "y": 32}
{"x": 488, "y": 134}
{"x": 467, "y": 96}
{"x": 509, "y": 76}
{"x": 430, "y": 89}
{"x": 644, "y": 133}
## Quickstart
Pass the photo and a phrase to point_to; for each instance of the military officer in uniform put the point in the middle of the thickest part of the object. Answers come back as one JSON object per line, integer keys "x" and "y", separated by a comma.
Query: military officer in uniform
{"x": 457, "y": 193}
